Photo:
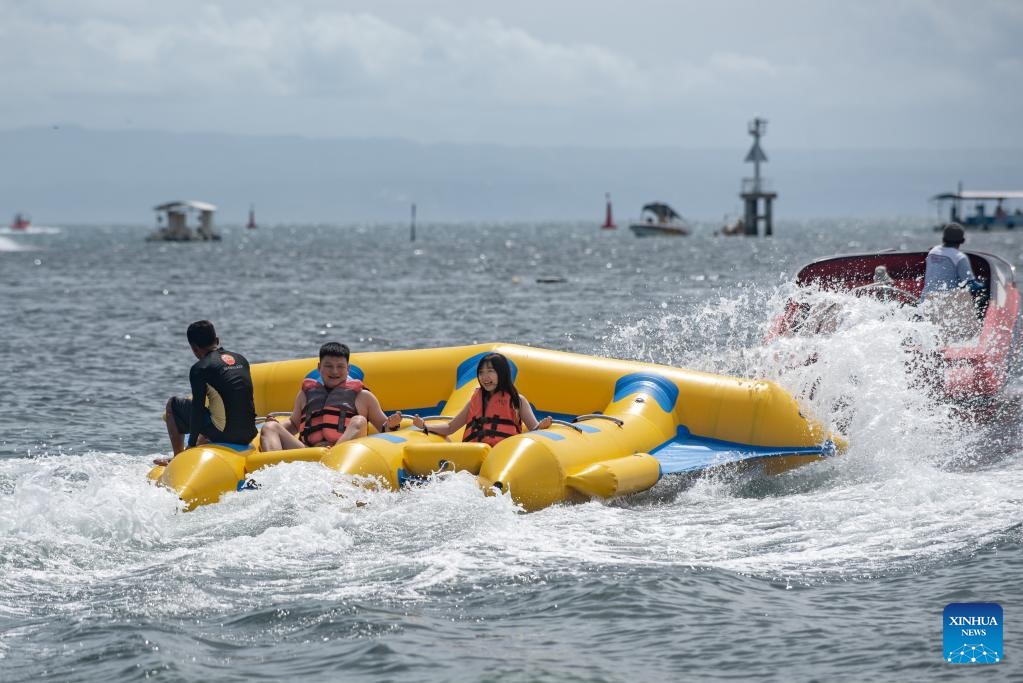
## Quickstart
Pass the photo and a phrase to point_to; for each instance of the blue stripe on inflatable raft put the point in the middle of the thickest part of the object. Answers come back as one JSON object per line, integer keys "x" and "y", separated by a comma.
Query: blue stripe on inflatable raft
{"x": 237, "y": 447}
{"x": 662, "y": 390}
{"x": 687, "y": 453}
{"x": 393, "y": 438}
{"x": 553, "y": 436}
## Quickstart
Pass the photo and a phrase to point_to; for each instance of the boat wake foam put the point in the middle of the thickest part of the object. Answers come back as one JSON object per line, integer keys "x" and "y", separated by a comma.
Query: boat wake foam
{"x": 913, "y": 491}
{"x": 10, "y": 245}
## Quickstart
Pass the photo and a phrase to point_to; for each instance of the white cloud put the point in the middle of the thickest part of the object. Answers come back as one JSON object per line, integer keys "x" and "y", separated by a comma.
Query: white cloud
{"x": 287, "y": 52}
{"x": 731, "y": 62}
{"x": 637, "y": 70}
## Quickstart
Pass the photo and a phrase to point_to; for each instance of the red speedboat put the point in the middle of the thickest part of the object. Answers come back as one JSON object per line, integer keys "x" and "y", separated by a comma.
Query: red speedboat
{"x": 980, "y": 333}
{"x": 21, "y": 222}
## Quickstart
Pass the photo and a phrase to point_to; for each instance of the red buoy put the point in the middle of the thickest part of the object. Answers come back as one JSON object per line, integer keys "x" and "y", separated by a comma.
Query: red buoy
{"x": 609, "y": 221}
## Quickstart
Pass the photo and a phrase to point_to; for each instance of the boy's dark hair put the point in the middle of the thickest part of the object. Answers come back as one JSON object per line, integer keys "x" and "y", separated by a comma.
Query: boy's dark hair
{"x": 335, "y": 349}
{"x": 201, "y": 334}
{"x": 953, "y": 235}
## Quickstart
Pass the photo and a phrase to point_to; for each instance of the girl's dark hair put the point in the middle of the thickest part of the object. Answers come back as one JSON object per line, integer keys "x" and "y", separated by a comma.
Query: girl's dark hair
{"x": 504, "y": 377}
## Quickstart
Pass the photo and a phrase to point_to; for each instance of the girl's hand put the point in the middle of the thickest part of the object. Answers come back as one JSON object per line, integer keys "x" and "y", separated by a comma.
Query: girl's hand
{"x": 418, "y": 421}
{"x": 393, "y": 421}
{"x": 544, "y": 423}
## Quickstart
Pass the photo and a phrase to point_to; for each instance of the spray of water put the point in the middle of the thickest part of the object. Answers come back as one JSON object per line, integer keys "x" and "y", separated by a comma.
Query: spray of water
{"x": 89, "y": 532}
{"x": 907, "y": 490}
{"x": 7, "y": 244}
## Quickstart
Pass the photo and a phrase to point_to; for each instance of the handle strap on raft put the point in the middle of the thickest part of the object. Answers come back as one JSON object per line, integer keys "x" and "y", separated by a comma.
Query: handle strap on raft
{"x": 567, "y": 424}
{"x": 262, "y": 418}
{"x": 598, "y": 416}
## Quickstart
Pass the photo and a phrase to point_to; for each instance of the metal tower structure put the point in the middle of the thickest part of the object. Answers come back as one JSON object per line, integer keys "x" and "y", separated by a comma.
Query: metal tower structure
{"x": 757, "y": 189}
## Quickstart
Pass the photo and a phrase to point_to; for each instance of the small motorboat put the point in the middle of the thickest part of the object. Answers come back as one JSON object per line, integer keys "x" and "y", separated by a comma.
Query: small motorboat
{"x": 978, "y": 343}
{"x": 733, "y": 227}
{"x": 657, "y": 219}
{"x": 21, "y": 222}
{"x": 618, "y": 427}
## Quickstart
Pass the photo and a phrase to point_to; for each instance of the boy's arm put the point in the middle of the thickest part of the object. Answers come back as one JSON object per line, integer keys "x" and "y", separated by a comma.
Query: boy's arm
{"x": 371, "y": 410}
{"x": 444, "y": 428}
{"x": 294, "y": 422}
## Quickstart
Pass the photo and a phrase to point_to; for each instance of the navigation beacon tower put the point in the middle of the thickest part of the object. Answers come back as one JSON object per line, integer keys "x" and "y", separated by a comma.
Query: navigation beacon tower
{"x": 756, "y": 188}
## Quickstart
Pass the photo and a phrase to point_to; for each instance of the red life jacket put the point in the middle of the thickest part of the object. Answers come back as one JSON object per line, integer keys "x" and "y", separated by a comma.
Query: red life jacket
{"x": 327, "y": 411}
{"x": 497, "y": 421}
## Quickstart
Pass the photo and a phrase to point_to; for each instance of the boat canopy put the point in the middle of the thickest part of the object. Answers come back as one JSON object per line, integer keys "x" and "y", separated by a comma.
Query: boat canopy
{"x": 989, "y": 195}
{"x": 663, "y": 212}
{"x": 183, "y": 205}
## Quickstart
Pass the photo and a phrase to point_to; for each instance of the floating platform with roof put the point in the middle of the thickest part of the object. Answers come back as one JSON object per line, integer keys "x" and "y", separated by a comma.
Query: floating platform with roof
{"x": 984, "y": 216}
{"x": 172, "y": 222}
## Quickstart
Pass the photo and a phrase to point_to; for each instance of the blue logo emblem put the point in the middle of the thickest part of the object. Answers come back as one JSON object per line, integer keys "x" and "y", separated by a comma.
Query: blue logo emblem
{"x": 973, "y": 633}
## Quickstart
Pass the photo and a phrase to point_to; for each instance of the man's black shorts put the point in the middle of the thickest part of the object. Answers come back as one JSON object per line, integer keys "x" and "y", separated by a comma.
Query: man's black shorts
{"x": 181, "y": 413}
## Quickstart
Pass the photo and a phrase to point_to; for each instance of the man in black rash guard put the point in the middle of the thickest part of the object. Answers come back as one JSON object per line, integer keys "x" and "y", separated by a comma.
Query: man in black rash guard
{"x": 222, "y": 408}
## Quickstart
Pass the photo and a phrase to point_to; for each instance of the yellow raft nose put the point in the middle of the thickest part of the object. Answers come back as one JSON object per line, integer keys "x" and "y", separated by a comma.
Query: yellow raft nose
{"x": 203, "y": 474}
{"x": 600, "y": 455}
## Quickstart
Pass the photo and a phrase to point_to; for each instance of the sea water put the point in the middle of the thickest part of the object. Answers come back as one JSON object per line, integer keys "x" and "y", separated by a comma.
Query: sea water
{"x": 836, "y": 571}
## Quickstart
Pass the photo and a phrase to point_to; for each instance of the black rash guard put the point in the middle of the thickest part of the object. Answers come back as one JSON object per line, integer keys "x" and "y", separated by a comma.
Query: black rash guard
{"x": 222, "y": 382}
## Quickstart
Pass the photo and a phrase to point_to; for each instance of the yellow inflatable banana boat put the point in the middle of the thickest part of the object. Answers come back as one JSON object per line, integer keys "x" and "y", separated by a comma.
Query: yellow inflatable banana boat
{"x": 618, "y": 426}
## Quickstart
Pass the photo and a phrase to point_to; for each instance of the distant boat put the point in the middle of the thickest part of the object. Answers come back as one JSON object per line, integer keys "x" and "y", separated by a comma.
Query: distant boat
{"x": 981, "y": 219}
{"x": 251, "y": 225}
{"x": 21, "y": 221}
{"x": 177, "y": 228}
{"x": 609, "y": 221}
{"x": 733, "y": 227}
{"x": 659, "y": 219}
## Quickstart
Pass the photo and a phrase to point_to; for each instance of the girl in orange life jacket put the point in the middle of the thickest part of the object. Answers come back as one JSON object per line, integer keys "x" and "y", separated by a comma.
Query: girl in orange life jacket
{"x": 496, "y": 410}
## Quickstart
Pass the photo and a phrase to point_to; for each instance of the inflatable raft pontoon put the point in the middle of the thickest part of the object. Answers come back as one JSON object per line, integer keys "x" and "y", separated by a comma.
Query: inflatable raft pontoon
{"x": 619, "y": 426}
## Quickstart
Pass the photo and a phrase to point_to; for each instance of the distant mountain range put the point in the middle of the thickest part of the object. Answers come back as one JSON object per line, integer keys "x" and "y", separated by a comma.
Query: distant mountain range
{"x": 74, "y": 175}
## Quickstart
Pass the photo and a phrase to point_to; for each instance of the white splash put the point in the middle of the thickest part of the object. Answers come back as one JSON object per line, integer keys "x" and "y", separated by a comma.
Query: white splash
{"x": 77, "y": 531}
{"x": 10, "y": 245}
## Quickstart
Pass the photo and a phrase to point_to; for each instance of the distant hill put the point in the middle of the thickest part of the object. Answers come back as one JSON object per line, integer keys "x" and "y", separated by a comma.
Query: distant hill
{"x": 74, "y": 175}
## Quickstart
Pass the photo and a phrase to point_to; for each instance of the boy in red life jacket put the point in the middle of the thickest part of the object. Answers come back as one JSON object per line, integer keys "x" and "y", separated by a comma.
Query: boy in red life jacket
{"x": 496, "y": 410}
{"x": 329, "y": 410}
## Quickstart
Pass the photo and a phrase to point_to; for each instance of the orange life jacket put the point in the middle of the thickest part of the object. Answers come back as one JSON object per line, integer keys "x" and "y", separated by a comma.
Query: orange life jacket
{"x": 327, "y": 411}
{"x": 490, "y": 424}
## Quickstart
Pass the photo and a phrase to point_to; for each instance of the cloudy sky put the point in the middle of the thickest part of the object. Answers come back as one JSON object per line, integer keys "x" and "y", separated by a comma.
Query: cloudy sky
{"x": 827, "y": 74}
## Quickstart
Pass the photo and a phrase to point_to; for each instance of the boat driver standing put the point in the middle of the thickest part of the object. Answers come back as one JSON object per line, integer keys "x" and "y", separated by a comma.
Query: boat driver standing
{"x": 947, "y": 267}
